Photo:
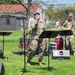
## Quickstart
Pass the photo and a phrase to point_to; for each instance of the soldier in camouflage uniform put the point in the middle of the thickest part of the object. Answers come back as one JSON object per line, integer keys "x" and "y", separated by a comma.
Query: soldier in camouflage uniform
{"x": 37, "y": 26}
{"x": 70, "y": 24}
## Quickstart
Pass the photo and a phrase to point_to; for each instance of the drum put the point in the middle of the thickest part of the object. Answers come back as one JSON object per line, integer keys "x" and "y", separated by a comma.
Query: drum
{"x": 59, "y": 42}
{"x": 21, "y": 43}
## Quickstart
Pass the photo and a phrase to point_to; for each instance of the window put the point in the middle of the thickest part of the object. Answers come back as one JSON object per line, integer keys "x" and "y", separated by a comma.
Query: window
{"x": 7, "y": 21}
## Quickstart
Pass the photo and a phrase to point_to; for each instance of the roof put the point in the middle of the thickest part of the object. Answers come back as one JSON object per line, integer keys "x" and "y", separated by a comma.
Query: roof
{"x": 18, "y": 8}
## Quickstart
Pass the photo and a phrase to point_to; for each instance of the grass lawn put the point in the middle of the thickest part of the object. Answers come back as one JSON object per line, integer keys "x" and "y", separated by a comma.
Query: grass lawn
{"x": 15, "y": 63}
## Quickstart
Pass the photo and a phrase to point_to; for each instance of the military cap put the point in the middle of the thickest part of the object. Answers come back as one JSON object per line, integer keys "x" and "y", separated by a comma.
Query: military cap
{"x": 37, "y": 12}
{"x": 70, "y": 14}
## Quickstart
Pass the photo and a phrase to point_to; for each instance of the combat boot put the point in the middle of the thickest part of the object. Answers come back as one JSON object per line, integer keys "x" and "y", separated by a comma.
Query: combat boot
{"x": 28, "y": 63}
{"x": 72, "y": 53}
{"x": 40, "y": 63}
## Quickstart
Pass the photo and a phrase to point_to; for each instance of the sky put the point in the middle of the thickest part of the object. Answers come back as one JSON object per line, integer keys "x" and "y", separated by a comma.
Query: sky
{"x": 56, "y": 1}
{"x": 59, "y": 1}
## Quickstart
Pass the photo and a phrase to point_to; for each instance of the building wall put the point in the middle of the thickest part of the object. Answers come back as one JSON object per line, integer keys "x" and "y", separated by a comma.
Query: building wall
{"x": 9, "y": 23}
{"x": 42, "y": 13}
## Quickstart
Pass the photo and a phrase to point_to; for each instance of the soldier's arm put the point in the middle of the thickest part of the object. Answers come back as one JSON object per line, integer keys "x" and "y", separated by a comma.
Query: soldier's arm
{"x": 33, "y": 24}
{"x": 28, "y": 31}
{"x": 64, "y": 25}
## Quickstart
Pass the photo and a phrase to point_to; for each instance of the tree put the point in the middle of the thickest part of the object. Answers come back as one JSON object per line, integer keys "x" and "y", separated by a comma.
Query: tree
{"x": 10, "y": 1}
{"x": 59, "y": 13}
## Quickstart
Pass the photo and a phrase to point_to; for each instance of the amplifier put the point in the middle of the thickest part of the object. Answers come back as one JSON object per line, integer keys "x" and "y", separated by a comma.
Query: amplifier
{"x": 58, "y": 54}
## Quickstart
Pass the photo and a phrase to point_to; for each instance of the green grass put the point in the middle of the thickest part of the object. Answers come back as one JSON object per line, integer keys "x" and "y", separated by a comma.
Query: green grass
{"x": 15, "y": 63}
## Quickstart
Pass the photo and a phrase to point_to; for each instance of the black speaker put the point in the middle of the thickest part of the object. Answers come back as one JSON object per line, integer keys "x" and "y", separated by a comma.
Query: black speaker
{"x": 61, "y": 54}
{"x": 2, "y": 70}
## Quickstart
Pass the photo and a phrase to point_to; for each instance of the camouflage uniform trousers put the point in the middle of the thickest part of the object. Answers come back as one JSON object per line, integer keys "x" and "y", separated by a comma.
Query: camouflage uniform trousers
{"x": 70, "y": 43}
{"x": 33, "y": 47}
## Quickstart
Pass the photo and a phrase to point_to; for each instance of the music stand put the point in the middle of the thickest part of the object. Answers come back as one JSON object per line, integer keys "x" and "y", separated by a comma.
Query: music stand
{"x": 4, "y": 33}
{"x": 23, "y": 18}
{"x": 66, "y": 33}
{"x": 49, "y": 34}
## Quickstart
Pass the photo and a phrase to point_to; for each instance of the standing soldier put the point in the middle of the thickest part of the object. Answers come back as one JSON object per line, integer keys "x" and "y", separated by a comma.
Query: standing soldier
{"x": 70, "y": 24}
{"x": 36, "y": 27}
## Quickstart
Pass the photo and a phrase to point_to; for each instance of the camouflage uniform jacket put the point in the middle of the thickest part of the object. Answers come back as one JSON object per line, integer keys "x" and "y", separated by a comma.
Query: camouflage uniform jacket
{"x": 37, "y": 28}
{"x": 69, "y": 25}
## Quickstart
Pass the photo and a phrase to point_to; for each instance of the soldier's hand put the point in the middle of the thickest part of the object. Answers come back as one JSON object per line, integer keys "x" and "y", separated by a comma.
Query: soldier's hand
{"x": 46, "y": 40}
{"x": 27, "y": 31}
